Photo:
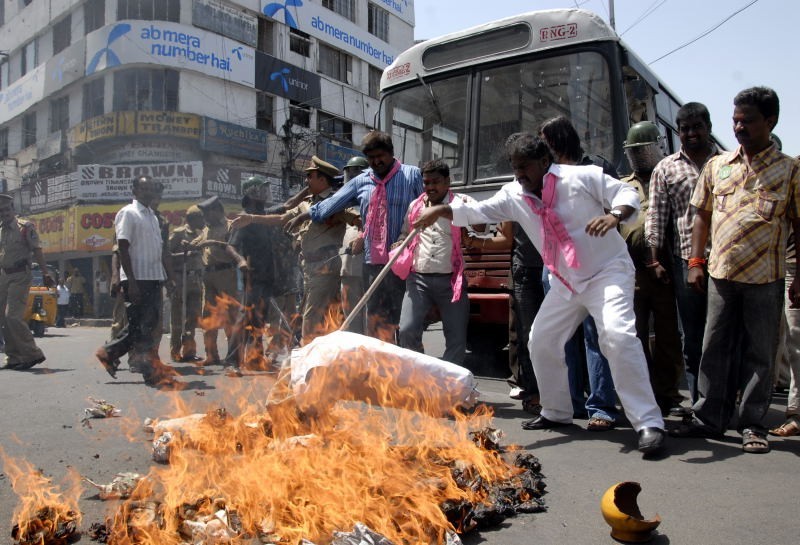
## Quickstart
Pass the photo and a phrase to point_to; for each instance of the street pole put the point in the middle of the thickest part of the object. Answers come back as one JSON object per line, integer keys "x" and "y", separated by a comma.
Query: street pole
{"x": 611, "y": 20}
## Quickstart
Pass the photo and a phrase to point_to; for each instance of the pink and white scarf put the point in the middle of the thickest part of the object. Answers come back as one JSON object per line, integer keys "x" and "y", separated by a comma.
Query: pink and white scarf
{"x": 405, "y": 262}
{"x": 555, "y": 237}
{"x": 377, "y": 226}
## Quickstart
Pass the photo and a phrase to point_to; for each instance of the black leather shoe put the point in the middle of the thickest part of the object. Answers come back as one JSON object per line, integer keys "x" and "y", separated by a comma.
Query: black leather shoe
{"x": 191, "y": 359}
{"x": 651, "y": 440}
{"x": 542, "y": 423}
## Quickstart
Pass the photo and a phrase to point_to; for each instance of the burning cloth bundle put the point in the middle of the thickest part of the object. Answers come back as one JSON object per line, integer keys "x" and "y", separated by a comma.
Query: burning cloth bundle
{"x": 346, "y": 366}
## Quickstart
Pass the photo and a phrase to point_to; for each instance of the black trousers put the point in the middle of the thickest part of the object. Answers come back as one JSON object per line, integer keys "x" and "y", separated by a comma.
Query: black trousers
{"x": 137, "y": 337}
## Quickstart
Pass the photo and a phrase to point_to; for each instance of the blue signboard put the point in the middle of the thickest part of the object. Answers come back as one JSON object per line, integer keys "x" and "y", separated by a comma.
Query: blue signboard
{"x": 234, "y": 140}
{"x": 339, "y": 155}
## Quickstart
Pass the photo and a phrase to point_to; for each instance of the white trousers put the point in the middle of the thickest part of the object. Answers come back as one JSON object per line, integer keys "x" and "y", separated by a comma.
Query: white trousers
{"x": 609, "y": 300}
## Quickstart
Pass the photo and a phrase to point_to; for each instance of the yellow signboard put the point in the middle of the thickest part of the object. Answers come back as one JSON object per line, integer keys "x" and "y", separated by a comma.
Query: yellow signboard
{"x": 150, "y": 123}
{"x": 85, "y": 228}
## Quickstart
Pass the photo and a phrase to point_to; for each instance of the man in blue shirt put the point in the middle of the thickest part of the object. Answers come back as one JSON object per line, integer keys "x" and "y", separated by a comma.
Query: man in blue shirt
{"x": 388, "y": 187}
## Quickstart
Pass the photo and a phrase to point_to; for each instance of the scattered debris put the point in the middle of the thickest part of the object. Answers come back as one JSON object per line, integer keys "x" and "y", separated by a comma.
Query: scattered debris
{"x": 121, "y": 486}
{"x": 100, "y": 409}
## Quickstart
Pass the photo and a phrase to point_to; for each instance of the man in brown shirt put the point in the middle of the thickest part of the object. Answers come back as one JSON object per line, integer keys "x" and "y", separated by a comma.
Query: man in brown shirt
{"x": 18, "y": 242}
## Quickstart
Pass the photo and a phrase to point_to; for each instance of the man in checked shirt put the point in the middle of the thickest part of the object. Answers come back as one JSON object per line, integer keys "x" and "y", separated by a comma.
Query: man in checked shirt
{"x": 745, "y": 199}
{"x": 671, "y": 186}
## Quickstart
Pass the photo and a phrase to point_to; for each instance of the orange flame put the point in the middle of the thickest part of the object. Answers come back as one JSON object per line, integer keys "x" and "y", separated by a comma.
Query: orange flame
{"x": 37, "y": 495}
{"x": 287, "y": 475}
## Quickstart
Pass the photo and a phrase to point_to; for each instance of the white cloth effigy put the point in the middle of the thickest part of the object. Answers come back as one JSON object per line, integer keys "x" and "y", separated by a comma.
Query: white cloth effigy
{"x": 348, "y": 366}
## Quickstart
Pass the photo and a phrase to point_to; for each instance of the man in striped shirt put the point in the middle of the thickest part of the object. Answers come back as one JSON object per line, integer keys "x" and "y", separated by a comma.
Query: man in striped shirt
{"x": 671, "y": 186}
{"x": 745, "y": 200}
{"x": 402, "y": 184}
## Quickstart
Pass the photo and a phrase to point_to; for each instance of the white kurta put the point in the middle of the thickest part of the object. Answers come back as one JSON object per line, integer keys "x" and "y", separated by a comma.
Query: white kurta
{"x": 603, "y": 287}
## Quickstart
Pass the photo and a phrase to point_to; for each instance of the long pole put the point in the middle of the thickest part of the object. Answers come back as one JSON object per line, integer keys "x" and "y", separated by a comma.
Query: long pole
{"x": 378, "y": 280}
{"x": 611, "y": 20}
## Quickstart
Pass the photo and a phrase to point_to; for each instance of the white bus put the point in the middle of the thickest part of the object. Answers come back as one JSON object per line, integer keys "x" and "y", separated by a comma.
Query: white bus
{"x": 458, "y": 98}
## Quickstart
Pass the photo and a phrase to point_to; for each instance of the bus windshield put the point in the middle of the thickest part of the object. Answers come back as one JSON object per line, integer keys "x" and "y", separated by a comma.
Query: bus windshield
{"x": 465, "y": 117}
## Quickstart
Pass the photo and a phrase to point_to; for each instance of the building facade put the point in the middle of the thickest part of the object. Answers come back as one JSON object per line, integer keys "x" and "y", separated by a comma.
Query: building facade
{"x": 200, "y": 94}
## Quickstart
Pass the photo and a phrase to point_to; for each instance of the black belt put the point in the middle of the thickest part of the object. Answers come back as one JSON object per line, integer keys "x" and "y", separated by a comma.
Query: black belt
{"x": 18, "y": 267}
{"x": 220, "y": 267}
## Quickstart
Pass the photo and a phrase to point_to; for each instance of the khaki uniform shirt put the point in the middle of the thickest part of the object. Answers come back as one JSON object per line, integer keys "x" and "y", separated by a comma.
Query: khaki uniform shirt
{"x": 216, "y": 254}
{"x": 633, "y": 232}
{"x": 194, "y": 262}
{"x": 320, "y": 243}
{"x": 17, "y": 241}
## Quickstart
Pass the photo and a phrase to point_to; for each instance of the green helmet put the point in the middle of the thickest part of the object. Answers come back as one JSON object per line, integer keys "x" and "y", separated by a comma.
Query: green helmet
{"x": 357, "y": 162}
{"x": 256, "y": 187}
{"x": 642, "y": 134}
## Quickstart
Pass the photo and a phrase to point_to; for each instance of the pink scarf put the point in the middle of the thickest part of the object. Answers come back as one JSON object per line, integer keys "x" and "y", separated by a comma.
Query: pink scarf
{"x": 377, "y": 226}
{"x": 555, "y": 237}
{"x": 405, "y": 261}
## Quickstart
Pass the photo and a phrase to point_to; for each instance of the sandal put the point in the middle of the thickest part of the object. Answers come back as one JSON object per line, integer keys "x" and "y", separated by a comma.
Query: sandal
{"x": 754, "y": 442}
{"x": 600, "y": 424}
{"x": 789, "y": 428}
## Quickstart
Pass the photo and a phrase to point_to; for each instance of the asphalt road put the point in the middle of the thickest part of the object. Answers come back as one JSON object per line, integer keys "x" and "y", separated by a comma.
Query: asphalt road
{"x": 706, "y": 491}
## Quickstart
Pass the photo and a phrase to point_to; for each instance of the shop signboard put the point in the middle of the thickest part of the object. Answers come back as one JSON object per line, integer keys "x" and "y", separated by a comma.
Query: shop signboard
{"x": 113, "y": 182}
{"x": 234, "y": 140}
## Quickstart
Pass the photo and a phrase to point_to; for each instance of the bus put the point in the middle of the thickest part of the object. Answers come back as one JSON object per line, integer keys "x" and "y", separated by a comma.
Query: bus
{"x": 458, "y": 97}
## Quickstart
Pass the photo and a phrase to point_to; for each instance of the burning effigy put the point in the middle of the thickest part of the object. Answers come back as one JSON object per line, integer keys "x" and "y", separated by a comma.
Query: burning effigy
{"x": 358, "y": 442}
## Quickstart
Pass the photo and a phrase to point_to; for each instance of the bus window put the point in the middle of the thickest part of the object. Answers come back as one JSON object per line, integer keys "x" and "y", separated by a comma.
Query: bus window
{"x": 521, "y": 96}
{"x": 430, "y": 122}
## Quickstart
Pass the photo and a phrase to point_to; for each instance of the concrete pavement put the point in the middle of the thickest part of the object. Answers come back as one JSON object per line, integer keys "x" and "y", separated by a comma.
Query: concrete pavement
{"x": 707, "y": 492}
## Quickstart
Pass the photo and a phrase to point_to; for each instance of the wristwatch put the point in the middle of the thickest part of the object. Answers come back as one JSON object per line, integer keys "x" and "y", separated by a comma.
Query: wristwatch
{"x": 617, "y": 214}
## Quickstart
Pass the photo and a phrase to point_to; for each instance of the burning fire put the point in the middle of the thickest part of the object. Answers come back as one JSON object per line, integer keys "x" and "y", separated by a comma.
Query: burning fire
{"x": 44, "y": 515}
{"x": 387, "y": 462}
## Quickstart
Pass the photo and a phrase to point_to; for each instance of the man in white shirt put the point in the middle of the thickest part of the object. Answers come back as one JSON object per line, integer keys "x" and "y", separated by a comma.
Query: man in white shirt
{"x": 436, "y": 276}
{"x": 142, "y": 277}
{"x": 562, "y": 210}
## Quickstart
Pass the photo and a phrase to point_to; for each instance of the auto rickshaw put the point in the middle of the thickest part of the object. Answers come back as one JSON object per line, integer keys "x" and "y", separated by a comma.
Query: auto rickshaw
{"x": 42, "y": 303}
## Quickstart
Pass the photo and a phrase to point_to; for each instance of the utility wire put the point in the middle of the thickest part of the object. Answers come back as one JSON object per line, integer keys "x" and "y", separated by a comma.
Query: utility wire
{"x": 654, "y": 6}
{"x": 706, "y": 33}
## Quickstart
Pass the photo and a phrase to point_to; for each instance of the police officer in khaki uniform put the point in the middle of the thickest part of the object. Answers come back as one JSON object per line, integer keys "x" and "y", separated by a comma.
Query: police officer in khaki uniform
{"x": 220, "y": 261}
{"x": 320, "y": 246}
{"x": 18, "y": 242}
{"x": 188, "y": 274}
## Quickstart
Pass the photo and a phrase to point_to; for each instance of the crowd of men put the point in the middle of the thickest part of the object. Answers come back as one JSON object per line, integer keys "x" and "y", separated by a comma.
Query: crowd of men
{"x": 675, "y": 272}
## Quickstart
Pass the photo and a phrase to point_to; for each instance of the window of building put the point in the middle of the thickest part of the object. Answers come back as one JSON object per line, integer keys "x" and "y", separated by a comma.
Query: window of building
{"x": 265, "y": 35}
{"x": 29, "y": 130}
{"x": 94, "y": 15}
{"x": 149, "y": 10}
{"x": 2, "y": 12}
{"x": 28, "y": 58}
{"x": 299, "y": 42}
{"x": 334, "y": 127}
{"x": 93, "y": 99}
{"x": 62, "y": 34}
{"x": 374, "y": 76}
{"x": 335, "y": 63}
{"x": 378, "y": 22}
{"x": 300, "y": 114}
{"x": 345, "y": 8}
{"x": 4, "y": 73}
{"x": 3, "y": 143}
{"x": 59, "y": 114}
{"x": 264, "y": 112}
{"x": 143, "y": 89}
